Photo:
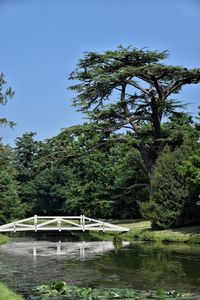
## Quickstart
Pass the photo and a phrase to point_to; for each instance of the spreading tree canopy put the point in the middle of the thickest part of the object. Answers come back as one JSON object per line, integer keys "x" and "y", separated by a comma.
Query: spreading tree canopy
{"x": 133, "y": 89}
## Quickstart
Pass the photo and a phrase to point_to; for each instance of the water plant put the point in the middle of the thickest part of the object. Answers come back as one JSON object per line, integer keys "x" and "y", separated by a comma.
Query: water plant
{"x": 62, "y": 290}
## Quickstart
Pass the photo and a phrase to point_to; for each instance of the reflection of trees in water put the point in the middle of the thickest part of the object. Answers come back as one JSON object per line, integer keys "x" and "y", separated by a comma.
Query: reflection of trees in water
{"x": 140, "y": 266}
{"x": 152, "y": 265}
{"x": 172, "y": 263}
{"x": 161, "y": 268}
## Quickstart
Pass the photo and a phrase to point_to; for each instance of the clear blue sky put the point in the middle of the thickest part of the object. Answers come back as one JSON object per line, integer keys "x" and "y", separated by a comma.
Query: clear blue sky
{"x": 42, "y": 40}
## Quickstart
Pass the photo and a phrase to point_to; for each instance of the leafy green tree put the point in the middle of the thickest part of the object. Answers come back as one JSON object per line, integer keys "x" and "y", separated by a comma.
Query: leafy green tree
{"x": 87, "y": 176}
{"x": 180, "y": 129}
{"x": 5, "y": 95}
{"x": 27, "y": 152}
{"x": 132, "y": 89}
{"x": 10, "y": 205}
{"x": 169, "y": 193}
{"x": 130, "y": 182}
{"x": 26, "y": 149}
{"x": 49, "y": 191}
{"x": 191, "y": 173}
{"x": 93, "y": 177}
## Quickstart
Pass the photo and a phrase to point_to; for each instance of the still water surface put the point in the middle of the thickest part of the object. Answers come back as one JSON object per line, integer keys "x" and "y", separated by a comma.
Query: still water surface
{"x": 26, "y": 263}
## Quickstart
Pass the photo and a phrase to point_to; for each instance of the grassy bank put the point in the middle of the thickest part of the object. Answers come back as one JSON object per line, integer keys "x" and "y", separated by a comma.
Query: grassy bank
{"x": 3, "y": 239}
{"x": 6, "y": 294}
{"x": 141, "y": 230}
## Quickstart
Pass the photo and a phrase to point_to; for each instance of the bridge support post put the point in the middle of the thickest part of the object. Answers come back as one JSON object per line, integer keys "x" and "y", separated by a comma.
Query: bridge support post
{"x": 14, "y": 227}
{"x": 83, "y": 221}
{"x": 35, "y": 222}
{"x": 59, "y": 224}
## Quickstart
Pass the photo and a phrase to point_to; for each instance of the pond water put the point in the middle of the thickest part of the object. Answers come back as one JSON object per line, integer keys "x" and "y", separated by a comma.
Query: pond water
{"x": 28, "y": 262}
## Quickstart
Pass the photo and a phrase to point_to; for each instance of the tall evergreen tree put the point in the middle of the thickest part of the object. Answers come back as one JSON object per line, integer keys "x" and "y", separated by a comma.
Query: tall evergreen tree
{"x": 10, "y": 205}
{"x": 168, "y": 192}
{"x": 26, "y": 155}
{"x": 191, "y": 173}
{"x": 133, "y": 89}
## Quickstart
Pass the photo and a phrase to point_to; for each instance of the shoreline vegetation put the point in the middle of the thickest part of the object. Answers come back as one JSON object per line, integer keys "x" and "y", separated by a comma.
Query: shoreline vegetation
{"x": 76, "y": 292}
{"x": 6, "y": 294}
{"x": 4, "y": 239}
{"x": 142, "y": 231}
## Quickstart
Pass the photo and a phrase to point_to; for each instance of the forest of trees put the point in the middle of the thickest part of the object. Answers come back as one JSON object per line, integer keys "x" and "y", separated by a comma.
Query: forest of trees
{"x": 137, "y": 156}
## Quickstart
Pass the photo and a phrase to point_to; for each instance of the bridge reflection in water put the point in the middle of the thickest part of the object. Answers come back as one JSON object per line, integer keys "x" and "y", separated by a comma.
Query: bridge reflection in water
{"x": 68, "y": 249}
{"x": 61, "y": 250}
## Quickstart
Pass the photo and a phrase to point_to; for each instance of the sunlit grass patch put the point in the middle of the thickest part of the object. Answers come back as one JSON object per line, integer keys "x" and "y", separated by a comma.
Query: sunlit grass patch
{"x": 142, "y": 230}
{"x": 137, "y": 225}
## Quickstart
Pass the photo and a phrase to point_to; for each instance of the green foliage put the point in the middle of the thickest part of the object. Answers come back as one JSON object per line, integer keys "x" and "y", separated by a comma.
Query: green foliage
{"x": 25, "y": 150}
{"x": 26, "y": 163}
{"x": 191, "y": 170}
{"x": 168, "y": 193}
{"x": 11, "y": 207}
{"x": 5, "y": 94}
{"x": 180, "y": 129}
{"x": 90, "y": 181}
{"x": 62, "y": 289}
{"x": 77, "y": 173}
{"x": 3, "y": 239}
{"x": 130, "y": 88}
{"x": 110, "y": 166}
{"x": 6, "y": 294}
{"x": 131, "y": 182}
{"x": 80, "y": 171}
{"x": 191, "y": 173}
{"x": 49, "y": 190}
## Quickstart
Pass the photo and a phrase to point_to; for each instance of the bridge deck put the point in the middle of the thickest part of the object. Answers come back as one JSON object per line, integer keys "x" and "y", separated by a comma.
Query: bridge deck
{"x": 60, "y": 223}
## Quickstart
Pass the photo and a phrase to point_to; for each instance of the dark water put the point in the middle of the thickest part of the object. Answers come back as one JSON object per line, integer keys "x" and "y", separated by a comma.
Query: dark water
{"x": 26, "y": 263}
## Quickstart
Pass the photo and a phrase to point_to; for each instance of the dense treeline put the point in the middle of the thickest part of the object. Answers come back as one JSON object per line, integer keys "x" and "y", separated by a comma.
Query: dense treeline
{"x": 61, "y": 176}
{"x": 138, "y": 156}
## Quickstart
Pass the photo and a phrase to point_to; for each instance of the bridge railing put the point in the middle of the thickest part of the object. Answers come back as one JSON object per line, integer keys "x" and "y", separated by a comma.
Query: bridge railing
{"x": 70, "y": 223}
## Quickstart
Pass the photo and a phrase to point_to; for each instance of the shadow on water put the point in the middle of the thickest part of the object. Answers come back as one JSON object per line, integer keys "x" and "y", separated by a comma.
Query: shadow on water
{"x": 28, "y": 262}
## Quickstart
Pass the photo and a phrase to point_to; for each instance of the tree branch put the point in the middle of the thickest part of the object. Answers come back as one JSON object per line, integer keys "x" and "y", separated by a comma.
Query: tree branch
{"x": 139, "y": 162}
{"x": 76, "y": 155}
{"x": 178, "y": 83}
{"x": 137, "y": 86}
{"x": 126, "y": 121}
{"x": 135, "y": 185}
{"x": 158, "y": 87}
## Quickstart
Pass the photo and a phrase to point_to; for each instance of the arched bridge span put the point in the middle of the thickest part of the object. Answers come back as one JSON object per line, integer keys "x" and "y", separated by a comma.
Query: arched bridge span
{"x": 60, "y": 223}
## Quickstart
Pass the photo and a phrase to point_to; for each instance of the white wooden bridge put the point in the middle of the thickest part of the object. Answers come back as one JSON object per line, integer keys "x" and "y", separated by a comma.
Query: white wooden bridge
{"x": 60, "y": 223}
